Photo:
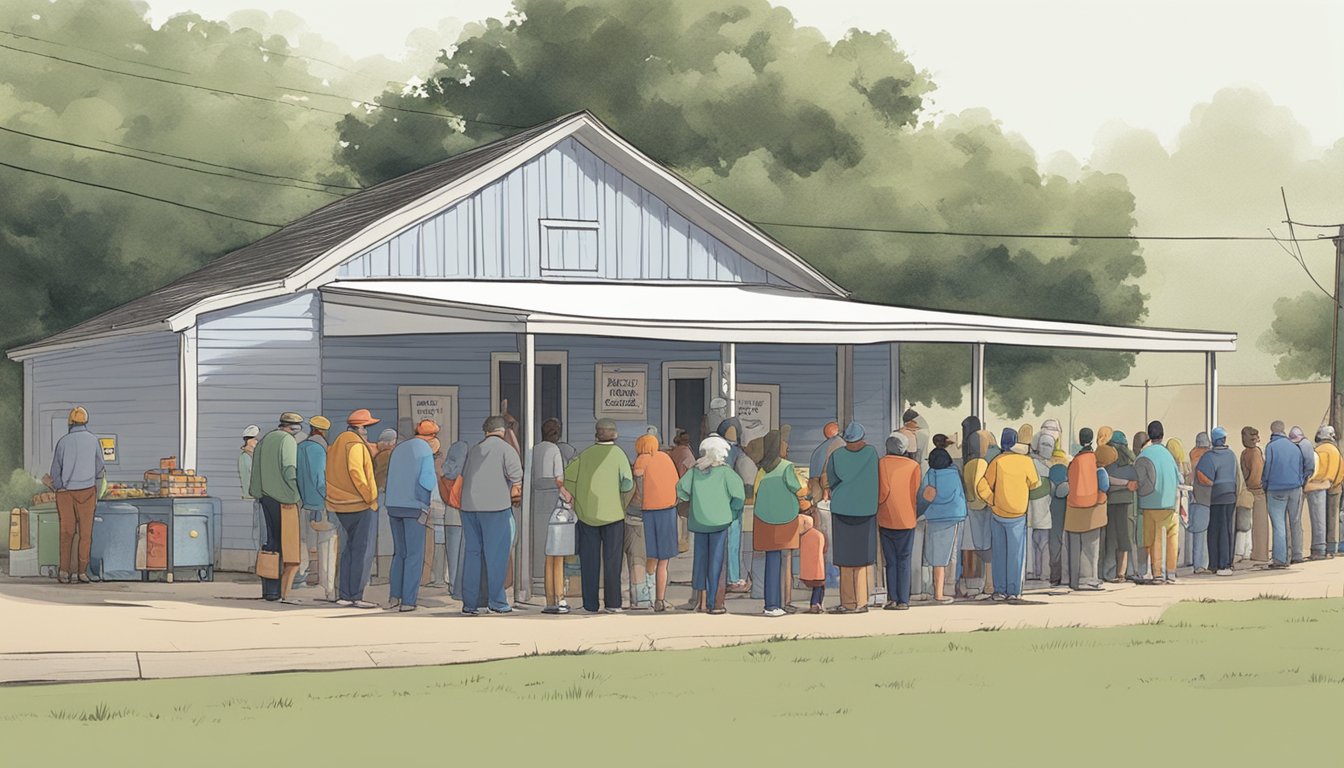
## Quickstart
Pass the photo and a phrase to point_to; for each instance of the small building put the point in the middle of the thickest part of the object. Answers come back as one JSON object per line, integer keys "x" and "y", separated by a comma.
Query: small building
{"x": 560, "y": 269}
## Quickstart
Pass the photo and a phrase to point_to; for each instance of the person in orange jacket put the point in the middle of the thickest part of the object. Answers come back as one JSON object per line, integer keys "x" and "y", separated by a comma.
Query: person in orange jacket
{"x": 897, "y": 494}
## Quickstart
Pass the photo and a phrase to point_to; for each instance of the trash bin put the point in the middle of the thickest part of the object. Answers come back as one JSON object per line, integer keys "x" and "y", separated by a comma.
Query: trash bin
{"x": 48, "y": 526}
{"x": 192, "y": 549}
{"x": 112, "y": 554}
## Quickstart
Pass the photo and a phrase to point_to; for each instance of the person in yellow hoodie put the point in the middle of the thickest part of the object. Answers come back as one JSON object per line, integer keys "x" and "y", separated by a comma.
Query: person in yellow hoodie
{"x": 1318, "y": 495}
{"x": 978, "y": 449}
{"x": 1006, "y": 487}
{"x": 352, "y": 493}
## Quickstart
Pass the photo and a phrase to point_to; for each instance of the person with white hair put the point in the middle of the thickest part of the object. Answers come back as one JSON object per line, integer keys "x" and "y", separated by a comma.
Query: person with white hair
{"x": 716, "y": 495}
{"x": 1284, "y": 473}
{"x": 1318, "y": 493}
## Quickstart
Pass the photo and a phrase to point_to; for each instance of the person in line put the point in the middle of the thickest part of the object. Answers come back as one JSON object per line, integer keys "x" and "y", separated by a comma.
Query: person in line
{"x": 943, "y": 501}
{"x": 1218, "y": 472}
{"x": 683, "y": 458}
{"x": 320, "y": 525}
{"x": 776, "y": 528}
{"x": 714, "y": 494}
{"x": 1038, "y": 506}
{"x": 816, "y": 465}
{"x": 1296, "y": 541}
{"x": 492, "y": 477}
{"x": 1006, "y": 487}
{"x": 812, "y": 561}
{"x": 635, "y": 544}
{"x": 275, "y": 482}
{"x": 1085, "y": 515}
{"x": 1059, "y": 482}
{"x": 978, "y": 449}
{"x": 852, "y": 473}
{"x": 352, "y": 493}
{"x": 915, "y": 447}
{"x": 1159, "y": 488}
{"x": 601, "y": 482}
{"x": 1318, "y": 491}
{"x": 411, "y": 481}
{"x": 1200, "y": 503}
{"x": 1283, "y": 476}
{"x": 1332, "y": 506}
{"x": 76, "y": 472}
{"x": 251, "y": 433}
{"x": 450, "y": 473}
{"x": 548, "y": 492}
{"x": 1253, "y": 468}
{"x": 1120, "y": 515}
{"x": 898, "y": 479}
{"x": 656, "y": 478}
{"x": 730, "y": 429}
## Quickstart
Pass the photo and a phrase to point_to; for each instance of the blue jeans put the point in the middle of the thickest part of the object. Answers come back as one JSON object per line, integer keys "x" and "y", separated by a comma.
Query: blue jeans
{"x": 357, "y": 540}
{"x": 735, "y": 551}
{"x": 774, "y": 596}
{"x": 1285, "y": 510}
{"x": 1316, "y": 508}
{"x": 486, "y": 535}
{"x": 408, "y": 554}
{"x": 896, "y": 549}
{"x": 709, "y": 565}
{"x": 1009, "y": 537}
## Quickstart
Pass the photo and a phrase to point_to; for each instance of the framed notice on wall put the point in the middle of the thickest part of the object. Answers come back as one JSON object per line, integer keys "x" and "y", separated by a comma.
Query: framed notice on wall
{"x": 622, "y": 391}
{"x": 757, "y": 409}
{"x": 438, "y": 404}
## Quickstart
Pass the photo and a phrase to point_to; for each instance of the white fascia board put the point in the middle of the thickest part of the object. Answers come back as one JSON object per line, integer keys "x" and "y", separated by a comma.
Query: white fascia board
{"x": 697, "y": 206}
{"x": 19, "y": 354}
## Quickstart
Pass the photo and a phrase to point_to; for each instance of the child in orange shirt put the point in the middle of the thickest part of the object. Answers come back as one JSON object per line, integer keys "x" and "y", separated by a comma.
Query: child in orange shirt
{"x": 812, "y": 561}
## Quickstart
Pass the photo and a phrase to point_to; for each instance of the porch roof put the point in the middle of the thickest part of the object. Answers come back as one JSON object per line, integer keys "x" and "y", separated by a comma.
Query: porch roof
{"x": 709, "y": 313}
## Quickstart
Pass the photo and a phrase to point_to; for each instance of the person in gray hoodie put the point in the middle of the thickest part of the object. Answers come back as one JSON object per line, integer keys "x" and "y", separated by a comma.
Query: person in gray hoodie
{"x": 1197, "y": 527}
{"x": 1120, "y": 509}
{"x": 1219, "y": 473}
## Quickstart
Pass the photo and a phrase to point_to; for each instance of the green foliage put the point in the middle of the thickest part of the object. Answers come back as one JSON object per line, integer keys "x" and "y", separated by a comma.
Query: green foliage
{"x": 18, "y": 490}
{"x": 1301, "y": 335}
{"x": 785, "y": 126}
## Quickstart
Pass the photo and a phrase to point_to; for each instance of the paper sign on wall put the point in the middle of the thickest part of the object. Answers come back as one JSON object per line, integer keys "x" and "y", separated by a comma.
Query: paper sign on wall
{"x": 757, "y": 409}
{"x": 622, "y": 392}
{"x": 109, "y": 446}
{"x": 438, "y": 404}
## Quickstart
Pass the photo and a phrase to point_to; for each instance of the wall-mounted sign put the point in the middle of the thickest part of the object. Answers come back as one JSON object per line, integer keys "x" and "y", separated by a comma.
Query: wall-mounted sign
{"x": 622, "y": 392}
{"x": 757, "y": 409}
{"x": 109, "y": 445}
{"x": 438, "y": 404}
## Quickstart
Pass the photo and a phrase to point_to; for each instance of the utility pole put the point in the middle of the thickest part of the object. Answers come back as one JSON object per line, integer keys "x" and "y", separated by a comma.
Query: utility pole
{"x": 1336, "y": 357}
{"x": 1145, "y": 402}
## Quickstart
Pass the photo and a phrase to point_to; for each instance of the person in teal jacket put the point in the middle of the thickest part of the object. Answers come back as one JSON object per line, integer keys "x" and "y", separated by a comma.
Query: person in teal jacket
{"x": 717, "y": 496}
{"x": 852, "y": 471}
{"x": 318, "y": 527}
{"x": 1059, "y": 503}
{"x": 1158, "y": 484}
{"x": 942, "y": 504}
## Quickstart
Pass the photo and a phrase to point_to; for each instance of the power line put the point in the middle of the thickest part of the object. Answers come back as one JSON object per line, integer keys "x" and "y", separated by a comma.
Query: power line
{"x": 239, "y": 94}
{"x": 139, "y": 194}
{"x": 1015, "y": 235}
{"x": 229, "y": 167}
{"x": 163, "y": 163}
{"x": 93, "y": 51}
{"x": 1228, "y": 386}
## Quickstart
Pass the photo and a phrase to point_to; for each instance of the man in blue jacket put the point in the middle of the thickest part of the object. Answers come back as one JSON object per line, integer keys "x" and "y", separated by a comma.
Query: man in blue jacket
{"x": 411, "y": 481}
{"x": 76, "y": 472}
{"x": 1286, "y": 471}
{"x": 319, "y": 529}
{"x": 1219, "y": 470}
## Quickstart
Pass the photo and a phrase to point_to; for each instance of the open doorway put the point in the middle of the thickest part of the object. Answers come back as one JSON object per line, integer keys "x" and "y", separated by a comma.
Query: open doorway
{"x": 688, "y": 387}
{"x": 548, "y": 401}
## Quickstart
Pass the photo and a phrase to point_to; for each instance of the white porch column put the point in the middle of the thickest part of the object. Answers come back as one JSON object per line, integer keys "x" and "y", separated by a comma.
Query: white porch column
{"x": 844, "y": 384}
{"x": 978, "y": 381}
{"x": 186, "y": 387}
{"x": 1210, "y": 391}
{"x": 897, "y": 404}
{"x": 527, "y": 369}
{"x": 728, "y": 377}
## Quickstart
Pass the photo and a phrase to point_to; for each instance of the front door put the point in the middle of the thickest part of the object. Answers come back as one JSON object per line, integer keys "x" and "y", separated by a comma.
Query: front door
{"x": 687, "y": 389}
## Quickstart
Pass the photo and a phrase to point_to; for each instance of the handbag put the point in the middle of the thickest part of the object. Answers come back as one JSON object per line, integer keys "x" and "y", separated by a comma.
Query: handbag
{"x": 560, "y": 531}
{"x": 684, "y": 507}
{"x": 268, "y": 564}
{"x": 1243, "y": 523}
{"x": 454, "y": 496}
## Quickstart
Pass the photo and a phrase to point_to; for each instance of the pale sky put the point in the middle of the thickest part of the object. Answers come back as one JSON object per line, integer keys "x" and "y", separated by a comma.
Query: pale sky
{"x": 1054, "y": 71}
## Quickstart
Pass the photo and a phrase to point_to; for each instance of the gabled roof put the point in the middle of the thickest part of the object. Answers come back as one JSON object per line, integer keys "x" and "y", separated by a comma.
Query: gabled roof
{"x": 303, "y": 253}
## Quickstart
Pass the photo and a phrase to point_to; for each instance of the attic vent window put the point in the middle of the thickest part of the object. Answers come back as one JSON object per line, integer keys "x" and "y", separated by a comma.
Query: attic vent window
{"x": 569, "y": 246}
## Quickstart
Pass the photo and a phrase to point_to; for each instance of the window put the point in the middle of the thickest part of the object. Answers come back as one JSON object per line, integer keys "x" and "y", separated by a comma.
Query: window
{"x": 569, "y": 246}
{"x": 506, "y": 384}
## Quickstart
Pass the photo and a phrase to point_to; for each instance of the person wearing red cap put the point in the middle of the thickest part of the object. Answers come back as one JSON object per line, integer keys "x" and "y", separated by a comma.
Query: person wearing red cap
{"x": 411, "y": 481}
{"x": 352, "y": 493}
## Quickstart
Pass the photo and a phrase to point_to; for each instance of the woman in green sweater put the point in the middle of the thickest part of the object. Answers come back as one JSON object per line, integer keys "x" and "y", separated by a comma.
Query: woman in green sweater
{"x": 717, "y": 496}
{"x": 776, "y": 510}
{"x": 853, "y": 475}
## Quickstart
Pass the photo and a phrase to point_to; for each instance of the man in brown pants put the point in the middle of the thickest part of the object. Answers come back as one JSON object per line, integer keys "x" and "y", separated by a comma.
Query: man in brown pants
{"x": 76, "y": 469}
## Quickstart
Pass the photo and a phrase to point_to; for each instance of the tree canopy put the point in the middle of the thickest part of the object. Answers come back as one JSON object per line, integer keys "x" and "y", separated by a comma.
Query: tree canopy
{"x": 788, "y": 127}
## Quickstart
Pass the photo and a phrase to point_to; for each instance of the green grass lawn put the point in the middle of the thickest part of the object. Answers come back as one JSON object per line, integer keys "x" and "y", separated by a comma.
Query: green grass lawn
{"x": 1219, "y": 683}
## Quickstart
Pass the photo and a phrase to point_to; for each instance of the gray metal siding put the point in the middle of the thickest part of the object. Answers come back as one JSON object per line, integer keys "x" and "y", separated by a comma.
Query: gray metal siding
{"x": 872, "y": 391}
{"x": 254, "y": 362}
{"x": 128, "y": 385}
{"x": 365, "y": 372}
{"x": 806, "y": 378}
{"x": 497, "y": 234}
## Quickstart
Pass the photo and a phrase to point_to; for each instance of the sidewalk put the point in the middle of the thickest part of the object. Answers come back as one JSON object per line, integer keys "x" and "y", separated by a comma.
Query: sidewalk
{"x": 144, "y": 631}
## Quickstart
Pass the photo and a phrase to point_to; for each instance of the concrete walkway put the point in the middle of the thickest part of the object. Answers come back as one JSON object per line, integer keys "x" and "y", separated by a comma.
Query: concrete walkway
{"x": 145, "y": 631}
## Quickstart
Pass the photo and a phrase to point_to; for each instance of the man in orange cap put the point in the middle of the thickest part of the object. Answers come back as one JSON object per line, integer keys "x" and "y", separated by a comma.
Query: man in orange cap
{"x": 411, "y": 481}
{"x": 76, "y": 469}
{"x": 352, "y": 493}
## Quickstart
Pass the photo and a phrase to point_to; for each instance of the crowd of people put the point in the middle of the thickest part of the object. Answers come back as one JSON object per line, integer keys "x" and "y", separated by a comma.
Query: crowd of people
{"x": 1025, "y": 506}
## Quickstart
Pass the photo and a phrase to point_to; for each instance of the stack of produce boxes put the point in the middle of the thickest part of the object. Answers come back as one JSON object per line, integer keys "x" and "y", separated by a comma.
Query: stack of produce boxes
{"x": 171, "y": 481}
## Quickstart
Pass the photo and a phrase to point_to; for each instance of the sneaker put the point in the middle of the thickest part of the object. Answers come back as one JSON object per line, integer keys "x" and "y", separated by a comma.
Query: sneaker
{"x": 983, "y": 596}
{"x": 551, "y": 609}
{"x": 1170, "y": 580}
{"x": 902, "y": 606}
{"x": 816, "y": 609}
{"x": 564, "y": 603}
{"x": 998, "y": 597}
{"x": 921, "y": 598}
{"x": 364, "y": 605}
{"x": 406, "y": 608}
{"x": 739, "y": 586}
{"x": 84, "y": 578}
{"x": 345, "y": 603}
{"x": 289, "y": 601}
{"x": 562, "y": 609}
{"x": 502, "y": 610}
{"x": 1224, "y": 572}
{"x": 1298, "y": 560}
{"x": 470, "y": 612}
{"x": 890, "y": 606}
{"x": 612, "y": 610}
{"x": 1016, "y": 601}
{"x": 790, "y": 609}
{"x": 394, "y": 605}
{"x": 1277, "y": 566}
{"x": 717, "y": 611}
{"x": 63, "y": 577}
{"x": 944, "y": 600}
{"x": 775, "y": 612}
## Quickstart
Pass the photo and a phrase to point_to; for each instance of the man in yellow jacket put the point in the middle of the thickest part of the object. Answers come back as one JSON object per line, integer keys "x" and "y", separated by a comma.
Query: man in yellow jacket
{"x": 1006, "y": 487}
{"x": 352, "y": 493}
{"x": 1321, "y": 487}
